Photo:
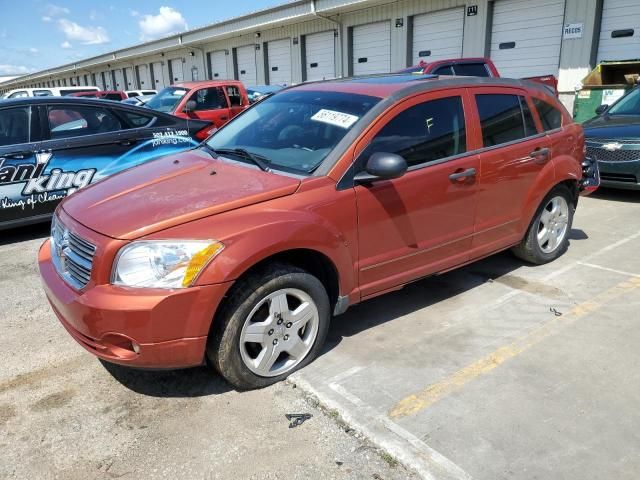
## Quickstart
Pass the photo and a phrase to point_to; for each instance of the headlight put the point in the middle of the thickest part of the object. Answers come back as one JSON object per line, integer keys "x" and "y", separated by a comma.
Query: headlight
{"x": 163, "y": 263}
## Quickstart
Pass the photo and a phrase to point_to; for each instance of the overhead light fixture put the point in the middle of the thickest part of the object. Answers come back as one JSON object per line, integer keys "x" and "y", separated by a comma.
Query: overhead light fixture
{"x": 192, "y": 54}
{"x": 258, "y": 34}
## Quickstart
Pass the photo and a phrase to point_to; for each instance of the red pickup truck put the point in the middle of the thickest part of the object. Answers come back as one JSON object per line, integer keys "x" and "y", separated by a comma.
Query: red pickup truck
{"x": 215, "y": 101}
{"x": 473, "y": 67}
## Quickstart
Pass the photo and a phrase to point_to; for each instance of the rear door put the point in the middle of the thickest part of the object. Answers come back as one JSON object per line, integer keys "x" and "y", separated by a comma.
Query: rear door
{"x": 211, "y": 105}
{"x": 20, "y": 165}
{"x": 513, "y": 154}
{"x": 422, "y": 222}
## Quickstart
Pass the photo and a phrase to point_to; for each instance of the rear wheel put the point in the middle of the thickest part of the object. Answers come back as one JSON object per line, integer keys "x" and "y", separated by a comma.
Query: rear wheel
{"x": 548, "y": 234}
{"x": 274, "y": 322}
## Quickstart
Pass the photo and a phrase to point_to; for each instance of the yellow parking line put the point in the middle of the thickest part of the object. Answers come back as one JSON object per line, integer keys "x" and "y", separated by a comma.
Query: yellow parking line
{"x": 433, "y": 393}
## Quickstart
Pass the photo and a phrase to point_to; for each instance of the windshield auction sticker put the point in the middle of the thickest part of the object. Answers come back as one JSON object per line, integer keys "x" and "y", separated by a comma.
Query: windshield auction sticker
{"x": 338, "y": 119}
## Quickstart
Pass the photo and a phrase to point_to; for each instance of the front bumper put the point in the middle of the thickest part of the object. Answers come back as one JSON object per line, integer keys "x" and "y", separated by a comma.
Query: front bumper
{"x": 150, "y": 328}
{"x": 624, "y": 175}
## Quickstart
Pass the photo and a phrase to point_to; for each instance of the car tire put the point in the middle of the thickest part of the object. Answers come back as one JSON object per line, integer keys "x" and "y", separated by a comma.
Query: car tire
{"x": 268, "y": 306}
{"x": 539, "y": 248}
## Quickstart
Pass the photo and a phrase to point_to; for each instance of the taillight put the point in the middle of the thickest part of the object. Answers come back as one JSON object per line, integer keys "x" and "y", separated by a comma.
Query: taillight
{"x": 206, "y": 132}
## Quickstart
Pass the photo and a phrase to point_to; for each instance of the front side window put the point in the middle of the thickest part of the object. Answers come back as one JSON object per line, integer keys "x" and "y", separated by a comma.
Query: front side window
{"x": 550, "y": 116}
{"x": 444, "y": 70}
{"x": 424, "y": 133}
{"x": 72, "y": 121}
{"x": 112, "y": 96}
{"x": 167, "y": 99}
{"x": 42, "y": 93}
{"x": 294, "y": 130}
{"x": 19, "y": 94}
{"x": 503, "y": 118}
{"x": 14, "y": 126}
{"x": 209, "y": 99}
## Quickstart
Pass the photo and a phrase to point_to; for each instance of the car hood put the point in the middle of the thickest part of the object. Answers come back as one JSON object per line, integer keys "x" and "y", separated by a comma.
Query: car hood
{"x": 612, "y": 126}
{"x": 170, "y": 191}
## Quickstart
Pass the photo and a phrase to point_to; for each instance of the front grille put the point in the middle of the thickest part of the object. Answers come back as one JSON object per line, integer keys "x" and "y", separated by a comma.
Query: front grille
{"x": 618, "y": 177}
{"x": 620, "y": 149}
{"x": 621, "y": 155}
{"x": 72, "y": 256}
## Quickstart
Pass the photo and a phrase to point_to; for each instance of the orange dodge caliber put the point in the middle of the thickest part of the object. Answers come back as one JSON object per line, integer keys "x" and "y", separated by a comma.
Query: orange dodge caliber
{"x": 239, "y": 251}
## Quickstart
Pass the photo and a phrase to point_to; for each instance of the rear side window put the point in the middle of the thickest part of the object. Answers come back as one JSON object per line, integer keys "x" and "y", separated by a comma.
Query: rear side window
{"x": 472, "y": 69}
{"x": 234, "y": 96}
{"x": 14, "y": 126}
{"x": 209, "y": 99}
{"x": 72, "y": 121}
{"x": 550, "y": 116}
{"x": 136, "y": 119}
{"x": 503, "y": 118}
{"x": 424, "y": 133}
{"x": 444, "y": 70}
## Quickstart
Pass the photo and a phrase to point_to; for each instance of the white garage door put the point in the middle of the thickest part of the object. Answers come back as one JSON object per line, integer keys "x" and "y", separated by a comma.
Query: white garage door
{"x": 107, "y": 80}
{"x": 526, "y": 37}
{"x": 119, "y": 79}
{"x": 372, "y": 48}
{"x": 320, "y": 56}
{"x": 143, "y": 77}
{"x": 620, "y": 30}
{"x": 246, "y": 58}
{"x": 177, "y": 70}
{"x": 279, "y": 61}
{"x": 438, "y": 35}
{"x": 129, "y": 80}
{"x": 218, "y": 62}
{"x": 158, "y": 76}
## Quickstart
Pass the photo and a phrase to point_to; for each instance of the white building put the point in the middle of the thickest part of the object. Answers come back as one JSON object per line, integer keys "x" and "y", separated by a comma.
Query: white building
{"x": 314, "y": 39}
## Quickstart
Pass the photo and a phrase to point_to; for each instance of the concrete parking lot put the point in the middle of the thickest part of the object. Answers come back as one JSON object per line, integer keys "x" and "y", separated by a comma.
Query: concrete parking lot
{"x": 498, "y": 370}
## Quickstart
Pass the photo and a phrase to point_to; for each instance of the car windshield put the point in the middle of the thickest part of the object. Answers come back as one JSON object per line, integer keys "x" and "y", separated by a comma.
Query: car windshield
{"x": 628, "y": 105}
{"x": 294, "y": 130}
{"x": 167, "y": 99}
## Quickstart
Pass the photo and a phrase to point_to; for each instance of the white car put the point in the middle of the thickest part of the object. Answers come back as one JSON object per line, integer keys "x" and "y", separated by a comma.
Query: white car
{"x": 47, "y": 91}
{"x": 139, "y": 93}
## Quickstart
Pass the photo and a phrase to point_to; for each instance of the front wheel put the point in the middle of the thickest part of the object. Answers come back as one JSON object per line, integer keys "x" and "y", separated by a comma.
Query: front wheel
{"x": 274, "y": 322}
{"x": 548, "y": 234}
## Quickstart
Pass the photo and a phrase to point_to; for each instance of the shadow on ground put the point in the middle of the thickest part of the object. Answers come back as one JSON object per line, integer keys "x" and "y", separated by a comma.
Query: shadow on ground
{"x": 190, "y": 382}
{"x": 23, "y": 234}
{"x": 613, "y": 195}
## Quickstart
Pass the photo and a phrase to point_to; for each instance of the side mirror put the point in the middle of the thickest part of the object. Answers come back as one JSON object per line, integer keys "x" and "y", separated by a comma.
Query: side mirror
{"x": 382, "y": 166}
{"x": 190, "y": 106}
{"x": 601, "y": 109}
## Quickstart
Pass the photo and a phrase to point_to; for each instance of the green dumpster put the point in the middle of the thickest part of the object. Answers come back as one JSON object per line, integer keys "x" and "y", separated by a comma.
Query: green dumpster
{"x": 603, "y": 86}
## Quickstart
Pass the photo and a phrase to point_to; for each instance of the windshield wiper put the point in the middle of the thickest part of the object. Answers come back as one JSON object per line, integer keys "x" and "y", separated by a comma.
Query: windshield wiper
{"x": 259, "y": 160}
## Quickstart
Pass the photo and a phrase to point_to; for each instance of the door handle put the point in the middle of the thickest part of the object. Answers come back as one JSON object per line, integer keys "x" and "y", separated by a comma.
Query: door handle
{"x": 128, "y": 141}
{"x": 540, "y": 155}
{"x": 469, "y": 172}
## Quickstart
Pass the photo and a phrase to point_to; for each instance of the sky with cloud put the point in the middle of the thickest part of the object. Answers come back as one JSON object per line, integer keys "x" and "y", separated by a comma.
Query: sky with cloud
{"x": 37, "y": 34}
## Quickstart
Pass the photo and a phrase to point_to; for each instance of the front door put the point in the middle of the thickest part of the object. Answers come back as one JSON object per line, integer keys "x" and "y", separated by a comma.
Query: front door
{"x": 422, "y": 222}
{"x": 20, "y": 163}
{"x": 512, "y": 155}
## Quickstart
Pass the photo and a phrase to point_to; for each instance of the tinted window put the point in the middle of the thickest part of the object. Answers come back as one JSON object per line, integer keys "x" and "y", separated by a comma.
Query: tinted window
{"x": 501, "y": 119}
{"x": 234, "y": 96}
{"x": 423, "y": 133}
{"x": 78, "y": 121}
{"x": 472, "y": 69}
{"x": 444, "y": 71}
{"x": 550, "y": 116}
{"x": 137, "y": 120}
{"x": 294, "y": 130}
{"x": 133, "y": 94}
{"x": 529, "y": 124}
{"x": 112, "y": 96}
{"x": 209, "y": 99}
{"x": 14, "y": 126}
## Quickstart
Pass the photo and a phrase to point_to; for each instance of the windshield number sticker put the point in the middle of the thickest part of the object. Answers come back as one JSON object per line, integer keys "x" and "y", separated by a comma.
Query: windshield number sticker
{"x": 339, "y": 119}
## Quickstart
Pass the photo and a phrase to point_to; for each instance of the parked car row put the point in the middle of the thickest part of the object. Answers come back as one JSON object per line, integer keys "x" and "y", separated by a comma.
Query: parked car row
{"x": 237, "y": 252}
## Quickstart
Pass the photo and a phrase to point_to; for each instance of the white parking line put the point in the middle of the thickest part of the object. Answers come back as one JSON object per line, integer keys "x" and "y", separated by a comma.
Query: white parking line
{"x": 607, "y": 269}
